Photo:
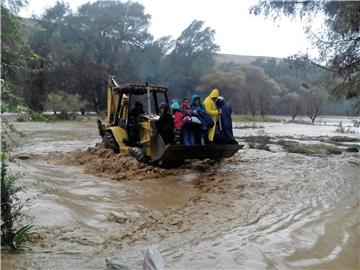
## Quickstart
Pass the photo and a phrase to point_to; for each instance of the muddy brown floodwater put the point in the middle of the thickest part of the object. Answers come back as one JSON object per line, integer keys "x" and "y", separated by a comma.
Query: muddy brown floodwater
{"x": 257, "y": 210}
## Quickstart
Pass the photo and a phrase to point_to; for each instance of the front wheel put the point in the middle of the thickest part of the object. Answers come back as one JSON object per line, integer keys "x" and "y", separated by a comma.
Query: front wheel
{"x": 110, "y": 142}
{"x": 139, "y": 154}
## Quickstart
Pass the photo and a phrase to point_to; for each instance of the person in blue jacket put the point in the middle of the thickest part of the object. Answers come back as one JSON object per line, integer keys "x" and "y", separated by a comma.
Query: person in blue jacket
{"x": 224, "y": 130}
{"x": 199, "y": 112}
{"x": 196, "y": 104}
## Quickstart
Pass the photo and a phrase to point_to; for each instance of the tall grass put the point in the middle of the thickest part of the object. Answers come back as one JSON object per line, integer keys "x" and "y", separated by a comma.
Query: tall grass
{"x": 250, "y": 118}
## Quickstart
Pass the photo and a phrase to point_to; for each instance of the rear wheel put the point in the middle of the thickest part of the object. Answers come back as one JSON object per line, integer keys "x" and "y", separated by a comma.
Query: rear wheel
{"x": 139, "y": 154}
{"x": 110, "y": 142}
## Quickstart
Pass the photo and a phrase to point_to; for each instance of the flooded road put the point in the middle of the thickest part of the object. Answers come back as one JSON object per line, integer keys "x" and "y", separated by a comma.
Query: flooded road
{"x": 257, "y": 210}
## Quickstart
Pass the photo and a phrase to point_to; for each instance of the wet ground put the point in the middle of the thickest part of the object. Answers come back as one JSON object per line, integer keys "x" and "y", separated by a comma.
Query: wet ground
{"x": 257, "y": 210}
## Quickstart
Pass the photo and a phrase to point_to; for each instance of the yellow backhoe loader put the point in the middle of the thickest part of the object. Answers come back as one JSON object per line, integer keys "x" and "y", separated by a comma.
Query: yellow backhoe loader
{"x": 129, "y": 131}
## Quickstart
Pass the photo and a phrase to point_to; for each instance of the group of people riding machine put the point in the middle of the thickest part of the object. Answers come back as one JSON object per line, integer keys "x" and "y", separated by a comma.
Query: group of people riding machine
{"x": 193, "y": 122}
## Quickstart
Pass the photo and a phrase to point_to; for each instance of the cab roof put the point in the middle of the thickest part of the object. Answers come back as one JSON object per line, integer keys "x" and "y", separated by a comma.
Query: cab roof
{"x": 140, "y": 89}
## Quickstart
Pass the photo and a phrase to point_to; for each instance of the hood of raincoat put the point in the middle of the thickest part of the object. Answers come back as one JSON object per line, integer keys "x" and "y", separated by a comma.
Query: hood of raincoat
{"x": 214, "y": 93}
{"x": 220, "y": 101}
{"x": 175, "y": 106}
{"x": 193, "y": 97}
{"x": 198, "y": 107}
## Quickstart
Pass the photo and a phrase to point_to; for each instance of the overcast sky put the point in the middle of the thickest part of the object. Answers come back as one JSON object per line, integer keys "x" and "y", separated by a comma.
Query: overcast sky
{"x": 237, "y": 32}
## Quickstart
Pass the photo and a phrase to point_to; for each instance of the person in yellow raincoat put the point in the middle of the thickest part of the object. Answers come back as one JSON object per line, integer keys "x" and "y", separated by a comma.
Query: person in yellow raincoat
{"x": 211, "y": 109}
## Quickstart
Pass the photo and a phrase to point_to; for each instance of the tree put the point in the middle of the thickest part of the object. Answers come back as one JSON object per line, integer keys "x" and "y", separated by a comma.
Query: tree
{"x": 15, "y": 51}
{"x": 338, "y": 44}
{"x": 246, "y": 87}
{"x": 107, "y": 31}
{"x": 314, "y": 100}
{"x": 230, "y": 83}
{"x": 64, "y": 103}
{"x": 260, "y": 91}
{"x": 292, "y": 104}
{"x": 191, "y": 58}
{"x": 146, "y": 63}
{"x": 79, "y": 50}
{"x": 14, "y": 48}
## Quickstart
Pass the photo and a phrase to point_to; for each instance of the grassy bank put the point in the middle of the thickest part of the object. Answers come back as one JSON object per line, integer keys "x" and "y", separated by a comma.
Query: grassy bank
{"x": 250, "y": 118}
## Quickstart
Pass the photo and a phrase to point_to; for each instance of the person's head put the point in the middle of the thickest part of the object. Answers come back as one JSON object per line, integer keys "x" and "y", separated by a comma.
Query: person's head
{"x": 214, "y": 94}
{"x": 185, "y": 102}
{"x": 195, "y": 100}
{"x": 175, "y": 106}
{"x": 220, "y": 101}
{"x": 163, "y": 108}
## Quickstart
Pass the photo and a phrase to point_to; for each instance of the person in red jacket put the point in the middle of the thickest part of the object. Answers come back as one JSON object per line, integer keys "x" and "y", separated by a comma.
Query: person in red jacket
{"x": 187, "y": 126}
{"x": 178, "y": 120}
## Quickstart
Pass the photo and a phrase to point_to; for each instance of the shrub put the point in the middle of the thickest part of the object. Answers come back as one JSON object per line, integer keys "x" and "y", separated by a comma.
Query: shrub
{"x": 314, "y": 149}
{"x": 260, "y": 141}
{"x": 26, "y": 114}
{"x": 13, "y": 233}
{"x": 64, "y": 103}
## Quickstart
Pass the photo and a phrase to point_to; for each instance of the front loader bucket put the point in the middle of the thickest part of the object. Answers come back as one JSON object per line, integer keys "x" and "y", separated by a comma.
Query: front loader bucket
{"x": 178, "y": 153}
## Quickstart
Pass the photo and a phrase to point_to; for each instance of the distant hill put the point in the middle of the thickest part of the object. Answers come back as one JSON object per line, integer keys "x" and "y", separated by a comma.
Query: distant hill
{"x": 221, "y": 58}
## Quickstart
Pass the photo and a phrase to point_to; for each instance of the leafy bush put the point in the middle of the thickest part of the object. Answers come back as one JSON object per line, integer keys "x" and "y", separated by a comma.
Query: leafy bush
{"x": 26, "y": 114}
{"x": 64, "y": 103}
{"x": 13, "y": 234}
{"x": 259, "y": 142}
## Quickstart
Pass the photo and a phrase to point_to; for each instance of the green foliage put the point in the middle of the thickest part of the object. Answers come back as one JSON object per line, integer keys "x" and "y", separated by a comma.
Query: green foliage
{"x": 29, "y": 115}
{"x": 64, "y": 103}
{"x": 13, "y": 234}
{"x": 80, "y": 49}
{"x": 247, "y": 88}
{"x": 21, "y": 236}
{"x": 191, "y": 58}
{"x": 77, "y": 50}
{"x": 337, "y": 43}
{"x": 14, "y": 49}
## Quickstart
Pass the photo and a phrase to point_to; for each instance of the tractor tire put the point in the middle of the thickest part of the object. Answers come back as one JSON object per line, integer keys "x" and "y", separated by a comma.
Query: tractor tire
{"x": 139, "y": 154}
{"x": 110, "y": 142}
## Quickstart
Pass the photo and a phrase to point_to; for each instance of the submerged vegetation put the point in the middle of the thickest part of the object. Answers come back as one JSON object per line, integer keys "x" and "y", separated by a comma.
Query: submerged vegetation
{"x": 314, "y": 149}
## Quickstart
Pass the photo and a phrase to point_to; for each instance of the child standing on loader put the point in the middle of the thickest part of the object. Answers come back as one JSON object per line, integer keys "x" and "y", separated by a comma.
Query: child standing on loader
{"x": 178, "y": 119}
{"x": 187, "y": 128}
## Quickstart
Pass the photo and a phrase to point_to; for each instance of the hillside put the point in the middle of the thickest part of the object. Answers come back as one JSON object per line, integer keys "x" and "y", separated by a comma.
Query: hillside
{"x": 221, "y": 58}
